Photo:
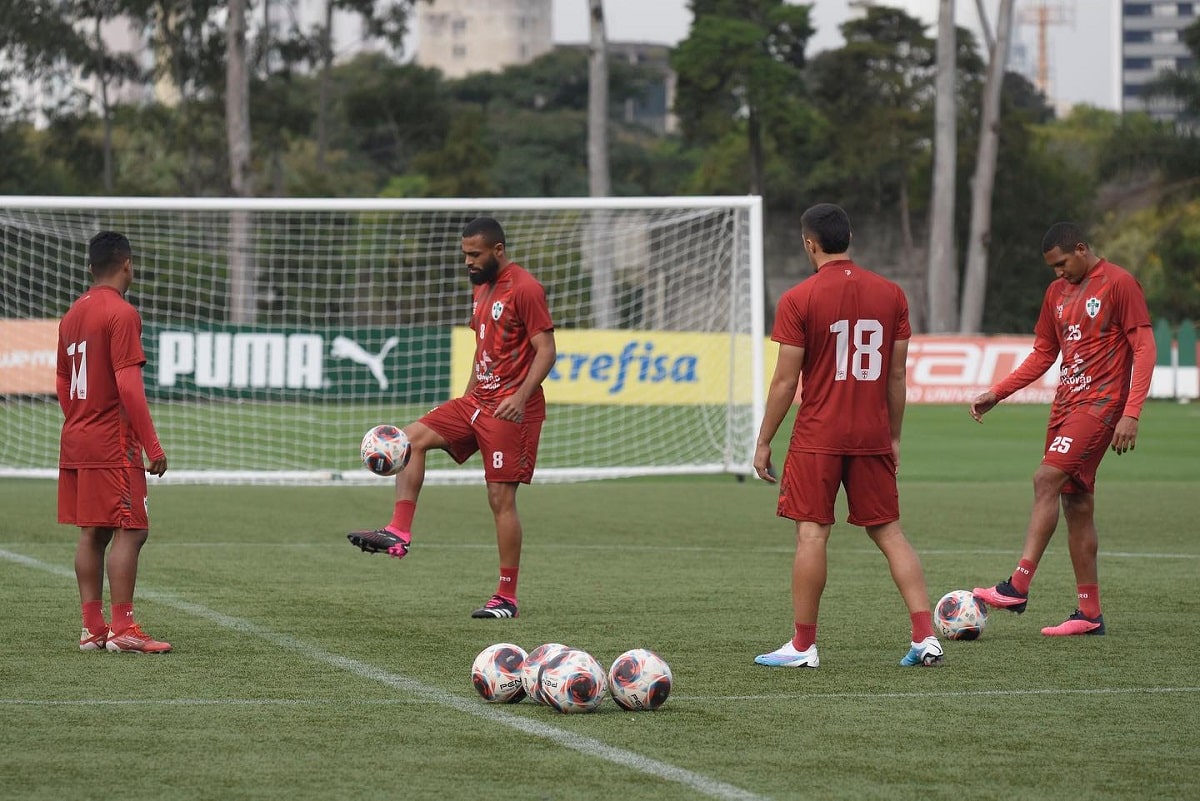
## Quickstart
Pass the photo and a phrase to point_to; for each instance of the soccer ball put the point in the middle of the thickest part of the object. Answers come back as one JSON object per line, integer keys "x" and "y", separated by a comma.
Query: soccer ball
{"x": 533, "y": 664}
{"x": 496, "y": 673}
{"x": 572, "y": 681}
{"x": 385, "y": 450}
{"x": 959, "y": 615}
{"x": 639, "y": 680}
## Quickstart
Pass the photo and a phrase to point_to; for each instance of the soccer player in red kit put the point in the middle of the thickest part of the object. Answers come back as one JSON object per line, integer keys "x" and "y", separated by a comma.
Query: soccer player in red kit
{"x": 1095, "y": 315}
{"x": 499, "y": 415}
{"x": 846, "y": 330}
{"x": 101, "y": 476}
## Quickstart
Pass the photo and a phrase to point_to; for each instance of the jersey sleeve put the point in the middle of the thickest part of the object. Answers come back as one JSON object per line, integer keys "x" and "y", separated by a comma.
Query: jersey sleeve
{"x": 1131, "y": 303}
{"x": 126, "y": 338}
{"x": 789, "y": 327}
{"x": 530, "y": 302}
{"x": 1045, "y": 351}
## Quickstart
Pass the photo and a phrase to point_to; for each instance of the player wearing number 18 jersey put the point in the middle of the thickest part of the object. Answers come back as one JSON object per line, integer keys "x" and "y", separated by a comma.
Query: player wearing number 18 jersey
{"x": 499, "y": 415}
{"x": 846, "y": 331}
{"x": 1094, "y": 315}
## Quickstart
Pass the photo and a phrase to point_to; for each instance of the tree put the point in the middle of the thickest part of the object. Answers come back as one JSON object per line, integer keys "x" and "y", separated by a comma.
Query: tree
{"x": 742, "y": 62}
{"x": 942, "y": 280}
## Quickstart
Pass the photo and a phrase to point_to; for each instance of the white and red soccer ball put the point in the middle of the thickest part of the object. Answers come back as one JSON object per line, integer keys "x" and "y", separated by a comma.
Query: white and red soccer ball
{"x": 496, "y": 673}
{"x": 572, "y": 681}
{"x": 639, "y": 680}
{"x": 959, "y": 615}
{"x": 385, "y": 450}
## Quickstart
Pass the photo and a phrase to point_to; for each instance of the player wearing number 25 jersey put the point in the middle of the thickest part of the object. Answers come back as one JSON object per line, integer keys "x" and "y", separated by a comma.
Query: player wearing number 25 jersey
{"x": 1095, "y": 315}
{"x": 845, "y": 331}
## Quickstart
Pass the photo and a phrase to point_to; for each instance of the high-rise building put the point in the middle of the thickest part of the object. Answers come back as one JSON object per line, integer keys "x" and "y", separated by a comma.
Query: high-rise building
{"x": 459, "y": 37}
{"x": 1151, "y": 42}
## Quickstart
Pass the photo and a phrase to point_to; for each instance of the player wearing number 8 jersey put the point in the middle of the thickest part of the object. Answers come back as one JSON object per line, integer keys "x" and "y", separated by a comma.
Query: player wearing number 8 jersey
{"x": 500, "y": 414}
{"x": 1094, "y": 315}
{"x": 846, "y": 331}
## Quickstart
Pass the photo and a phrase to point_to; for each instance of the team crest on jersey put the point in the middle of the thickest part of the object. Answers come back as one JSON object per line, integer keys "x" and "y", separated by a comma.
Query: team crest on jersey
{"x": 1092, "y": 307}
{"x": 498, "y": 309}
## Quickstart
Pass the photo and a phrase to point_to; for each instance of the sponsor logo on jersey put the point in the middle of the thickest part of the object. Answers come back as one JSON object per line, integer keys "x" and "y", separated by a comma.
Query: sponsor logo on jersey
{"x": 1059, "y": 310}
{"x": 1092, "y": 307}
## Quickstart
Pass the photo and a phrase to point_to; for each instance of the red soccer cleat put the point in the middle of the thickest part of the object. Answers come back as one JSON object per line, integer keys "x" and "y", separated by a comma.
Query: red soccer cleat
{"x": 134, "y": 641}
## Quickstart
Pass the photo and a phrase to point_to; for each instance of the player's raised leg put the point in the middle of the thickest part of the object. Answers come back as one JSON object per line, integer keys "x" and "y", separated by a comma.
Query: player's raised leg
{"x": 395, "y": 538}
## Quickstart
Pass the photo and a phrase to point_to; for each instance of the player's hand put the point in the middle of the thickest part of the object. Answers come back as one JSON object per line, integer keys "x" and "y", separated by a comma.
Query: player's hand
{"x": 762, "y": 464}
{"x": 511, "y": 409}
{"x": 157, "y": 466}
{"x": 982, "y": 404}
{"x": 896, "y": 453}
{"x": 1125, "y": 435}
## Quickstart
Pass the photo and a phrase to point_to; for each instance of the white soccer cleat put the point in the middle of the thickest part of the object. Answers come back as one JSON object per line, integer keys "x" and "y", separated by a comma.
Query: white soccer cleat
{"x": 787, "y": 656}
{"x": 926, "y": 653}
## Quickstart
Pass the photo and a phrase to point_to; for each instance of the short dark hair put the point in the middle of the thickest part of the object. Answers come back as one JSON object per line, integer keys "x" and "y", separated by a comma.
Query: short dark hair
{"x": 829, "y": 224}
{"x": 488, "y": 227}
{"x": 107, "y": 250}
{"x": 1064, "y": 236}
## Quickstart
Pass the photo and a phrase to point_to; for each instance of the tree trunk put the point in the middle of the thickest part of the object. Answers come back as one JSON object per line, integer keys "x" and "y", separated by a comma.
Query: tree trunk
{"x": 942, "y": 276}
{"x": 326, "y": 78}
{"x": 102, "y": 78}
{"x": 975, "y": 281}
{"x": 237, "y": 130}
{"x": 754, "y": 128}
{"x": 599, "y": 252}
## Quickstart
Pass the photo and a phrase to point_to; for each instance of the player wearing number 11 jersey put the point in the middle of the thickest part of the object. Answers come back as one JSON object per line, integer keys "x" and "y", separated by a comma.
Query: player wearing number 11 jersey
{"x": 846, "y": 331}
{"x": 1094, "y": 315}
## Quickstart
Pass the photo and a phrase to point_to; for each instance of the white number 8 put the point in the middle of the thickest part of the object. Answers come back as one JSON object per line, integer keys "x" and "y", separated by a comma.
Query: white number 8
{"x": 497, "y": 459}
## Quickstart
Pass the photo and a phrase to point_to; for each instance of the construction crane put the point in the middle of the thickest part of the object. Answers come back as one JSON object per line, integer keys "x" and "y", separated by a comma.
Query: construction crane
{"x": 1043, "y": 15}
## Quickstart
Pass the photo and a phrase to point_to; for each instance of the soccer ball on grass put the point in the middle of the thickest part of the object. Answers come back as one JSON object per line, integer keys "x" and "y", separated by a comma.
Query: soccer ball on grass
{"x": 639, "y": 680}
{"x": 385, "y": 450}
{"x": 959, "y": 615}
{"x": 533, "y": 665}
{"x": 496, "y": 673}
{"x": 572, "y": 681}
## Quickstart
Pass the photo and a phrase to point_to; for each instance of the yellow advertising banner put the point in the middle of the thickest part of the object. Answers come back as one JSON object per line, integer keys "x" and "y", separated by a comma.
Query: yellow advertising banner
{"x": 28, "y": 349}
{"x": 654, "y": 368}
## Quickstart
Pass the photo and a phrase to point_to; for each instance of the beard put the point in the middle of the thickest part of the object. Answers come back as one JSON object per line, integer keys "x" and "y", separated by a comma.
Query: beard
{"x": 486, "y": 273}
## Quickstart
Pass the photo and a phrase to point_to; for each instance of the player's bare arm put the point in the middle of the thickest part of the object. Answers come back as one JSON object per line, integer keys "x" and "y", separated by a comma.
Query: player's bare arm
{"x": 897, "y": 394}
{"x": 984, "y": 402}
{"x": 545, "y": 351}
{"x": 779, "y": 399}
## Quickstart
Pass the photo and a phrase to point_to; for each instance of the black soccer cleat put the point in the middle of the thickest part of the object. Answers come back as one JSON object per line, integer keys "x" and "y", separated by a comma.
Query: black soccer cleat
{"x": 380, "y": 541}
{"x": 496, "y": 607}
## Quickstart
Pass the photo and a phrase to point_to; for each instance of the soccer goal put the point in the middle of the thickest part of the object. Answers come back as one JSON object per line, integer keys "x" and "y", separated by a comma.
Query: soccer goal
{"x": 278, "y": 331}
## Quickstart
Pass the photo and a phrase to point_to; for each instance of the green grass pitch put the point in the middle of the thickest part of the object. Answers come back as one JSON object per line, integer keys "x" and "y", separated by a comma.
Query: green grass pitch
{"x": 304, "y": 669}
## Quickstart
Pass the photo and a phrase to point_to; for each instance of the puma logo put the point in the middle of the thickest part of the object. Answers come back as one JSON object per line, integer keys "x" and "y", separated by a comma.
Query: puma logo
{"x": 346, "y": 348}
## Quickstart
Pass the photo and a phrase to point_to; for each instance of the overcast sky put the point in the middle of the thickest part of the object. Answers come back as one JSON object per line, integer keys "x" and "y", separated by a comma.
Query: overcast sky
{"x": 1081, "y": 59}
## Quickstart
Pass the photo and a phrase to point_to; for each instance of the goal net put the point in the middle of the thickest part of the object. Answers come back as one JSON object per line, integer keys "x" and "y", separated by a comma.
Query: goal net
{"x": 278, "y": 331}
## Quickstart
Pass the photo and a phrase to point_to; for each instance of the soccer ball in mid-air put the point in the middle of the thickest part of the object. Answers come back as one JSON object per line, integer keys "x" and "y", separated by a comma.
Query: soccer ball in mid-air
{"x": 533, "y": 663}
{"x": 496, "y": 673}
{"x": 572, "y": 681}
{"x": 639, "y": 680}
{"x": 385, "y": 450}
{"x": 959, "y": 615}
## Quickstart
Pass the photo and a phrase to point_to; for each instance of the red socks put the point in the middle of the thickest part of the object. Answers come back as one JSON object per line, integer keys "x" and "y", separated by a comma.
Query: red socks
{"x": 922, "y": 625}
{"x": 402, "y": 517}
{"x": 93, "y": 616}
{"x": 1089, "y": 600}
{"x": 122, "y": 617}
{"x": 1023, "y": 575}
{"x": 507, "y": 588}
{"x": 806, "y": 636}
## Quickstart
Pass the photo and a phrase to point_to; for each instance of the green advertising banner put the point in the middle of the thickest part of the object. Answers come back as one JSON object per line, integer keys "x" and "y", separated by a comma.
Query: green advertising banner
{"x": 225, "y": 362}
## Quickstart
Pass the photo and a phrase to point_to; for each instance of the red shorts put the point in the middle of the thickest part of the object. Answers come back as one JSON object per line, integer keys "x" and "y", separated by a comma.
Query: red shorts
{"x": 1076, "y": 446}
{"x": 104, "y": 497}
{"x": 509, "y": 449}
{"x": 810, "y": 487}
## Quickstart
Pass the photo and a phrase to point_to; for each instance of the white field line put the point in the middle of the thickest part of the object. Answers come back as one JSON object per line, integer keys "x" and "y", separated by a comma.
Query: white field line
{"x": 164, "y": 542}
{"x": 587, "y": 746}
{"x": 700, "y": 699}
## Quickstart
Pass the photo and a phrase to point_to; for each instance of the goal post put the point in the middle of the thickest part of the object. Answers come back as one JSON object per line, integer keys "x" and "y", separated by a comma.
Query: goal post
{"x": 278, "y": 331}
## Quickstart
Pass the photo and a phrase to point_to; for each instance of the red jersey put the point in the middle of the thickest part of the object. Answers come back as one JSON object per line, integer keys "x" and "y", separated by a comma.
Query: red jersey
{"x": 1088, "y": 323}
{"x": 847, "y": 319}
{"x": 505, "y": 316}
{"x": 100, "y": 334}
